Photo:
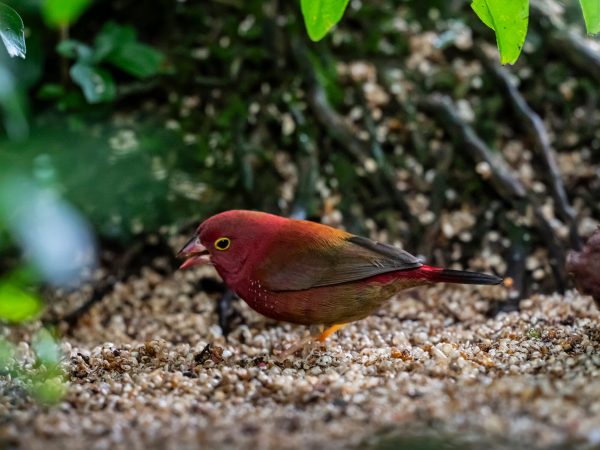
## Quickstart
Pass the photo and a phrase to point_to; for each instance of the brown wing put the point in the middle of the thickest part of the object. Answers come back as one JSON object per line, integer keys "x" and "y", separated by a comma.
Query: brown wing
{"x": 314, "y": 256}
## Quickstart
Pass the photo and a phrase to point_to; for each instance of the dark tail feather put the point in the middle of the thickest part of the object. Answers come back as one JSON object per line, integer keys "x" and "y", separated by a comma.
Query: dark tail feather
{"x": 461, "y": 276}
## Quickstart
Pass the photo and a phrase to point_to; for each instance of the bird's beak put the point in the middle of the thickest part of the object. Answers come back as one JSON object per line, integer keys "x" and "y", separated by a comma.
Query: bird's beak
{"x": 195, "y": 254}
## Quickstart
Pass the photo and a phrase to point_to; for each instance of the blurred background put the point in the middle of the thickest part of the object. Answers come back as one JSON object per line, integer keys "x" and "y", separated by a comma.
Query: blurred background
{"x": 124, "y": 127}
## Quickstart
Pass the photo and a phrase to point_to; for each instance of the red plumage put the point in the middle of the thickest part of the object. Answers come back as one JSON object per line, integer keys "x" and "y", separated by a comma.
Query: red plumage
{"x": 304, "y": 272}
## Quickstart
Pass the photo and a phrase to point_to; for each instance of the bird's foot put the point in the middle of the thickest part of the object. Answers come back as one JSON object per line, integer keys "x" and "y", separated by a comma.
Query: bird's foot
{"x": 307, "y": 345}
{"x": 329, "y": 331}
{"x": 310, "y": 343}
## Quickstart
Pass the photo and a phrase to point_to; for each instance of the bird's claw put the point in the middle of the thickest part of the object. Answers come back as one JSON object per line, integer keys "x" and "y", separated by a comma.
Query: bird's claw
{"x": 308, "y": 345}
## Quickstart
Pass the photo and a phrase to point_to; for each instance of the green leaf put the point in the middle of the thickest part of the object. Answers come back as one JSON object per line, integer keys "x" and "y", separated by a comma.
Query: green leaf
{"x": 12, "y": 106}
{"x": 321, "y": 15}
{"x": 112, "y": 36}
{"x": 119, "y": 46}
{"x": 23, "y": 276}
{"x": 63, "y": 12}
{"x": 591, "y": 15}
{"x": 97, "y": 84}
{"x": 16, "y": 304}
{"x": 509, "y": 19}
{"x": 75, "y": 50}
{"x": 46, "y": 350}
{"x": 12, "y": 31}
{"x": 49, "y": 391}
{"x": 481, "y": 9}
{"x": 136, "y": 59}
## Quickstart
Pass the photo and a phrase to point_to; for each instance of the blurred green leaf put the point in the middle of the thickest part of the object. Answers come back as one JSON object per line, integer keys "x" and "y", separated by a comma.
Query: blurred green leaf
{"x": 51, "y": 91}
{"x": 136, "y": 59}
{"x": 509, "y": 19}
{"x": 325, "y": 70}
{"x": 12, "y": 31}
{"x": 591, "y": 15}
{"x": 46, "y": 380}
{"x": 119, "y": 46}
{"x": 152, "y": 188}
{"x": 97, "y": 84}
{"x": 11, "y": 105}
{"x": 75, "y": 50}
{"x": 63, "y": 12}
{"x": 321, "y": 15}
{"x": 23, "y": 276}
{"x": 111, "y": 36}
{"x": 49, "y": 391}
{"x": 46, "y": 349}
{"x": 17, "y": 305}
{"x": 6, "y": 353}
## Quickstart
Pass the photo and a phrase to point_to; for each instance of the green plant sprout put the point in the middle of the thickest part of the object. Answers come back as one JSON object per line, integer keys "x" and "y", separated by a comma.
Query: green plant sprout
{"x": 44, "y": 379}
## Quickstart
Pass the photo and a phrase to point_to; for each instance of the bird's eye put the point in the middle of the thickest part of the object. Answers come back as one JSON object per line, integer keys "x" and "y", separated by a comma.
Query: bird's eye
{"x": 222, "y": 243}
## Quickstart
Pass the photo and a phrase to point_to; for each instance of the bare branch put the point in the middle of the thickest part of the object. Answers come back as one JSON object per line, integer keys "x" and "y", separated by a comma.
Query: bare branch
{"x": 534, "y": 126}
{"x": 501, "y": 176}
{"x": 339, "y": 130}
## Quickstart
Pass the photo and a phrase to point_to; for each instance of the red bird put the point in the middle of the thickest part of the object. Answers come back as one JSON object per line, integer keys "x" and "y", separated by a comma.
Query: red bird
{"x": 307, "y": 273}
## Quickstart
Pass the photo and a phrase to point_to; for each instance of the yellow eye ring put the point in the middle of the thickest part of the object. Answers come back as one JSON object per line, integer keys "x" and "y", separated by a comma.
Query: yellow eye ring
{"x": 222, "y": 243}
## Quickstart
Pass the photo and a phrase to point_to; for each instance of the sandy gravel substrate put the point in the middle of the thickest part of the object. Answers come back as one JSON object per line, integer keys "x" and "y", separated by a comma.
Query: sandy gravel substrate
{"x": 432, "y": 362}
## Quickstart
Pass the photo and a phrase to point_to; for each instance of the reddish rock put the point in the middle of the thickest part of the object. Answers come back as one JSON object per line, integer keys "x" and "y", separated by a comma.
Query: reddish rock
{"x": 584, "y": 266}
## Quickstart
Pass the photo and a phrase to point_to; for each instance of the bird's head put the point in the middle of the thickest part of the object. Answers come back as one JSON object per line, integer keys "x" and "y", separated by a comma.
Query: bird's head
{"x": 229, "y": 239}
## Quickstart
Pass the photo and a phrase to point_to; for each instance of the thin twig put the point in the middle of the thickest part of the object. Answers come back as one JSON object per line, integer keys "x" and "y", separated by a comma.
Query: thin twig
{"x": 225, "y": 311}
{"x": 534, "y": 126}
{"x": 516, "y": 265}
{"x": 383, "y": 165}
{"x": 408, "y": 110}
{"x": 339, "y": 130}
{"x": 304, "y": 204}
{"x": 438, "y": 191}
{"x": 501, "y": 176}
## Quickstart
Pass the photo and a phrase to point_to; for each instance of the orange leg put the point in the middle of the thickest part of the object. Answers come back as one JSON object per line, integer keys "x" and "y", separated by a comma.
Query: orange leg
{"x": 329, "y": 331}
{"x": 312, "y": 339}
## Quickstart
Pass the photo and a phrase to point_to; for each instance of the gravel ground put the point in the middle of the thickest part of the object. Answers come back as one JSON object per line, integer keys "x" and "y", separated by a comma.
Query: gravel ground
{"x": 149, "y": 368}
